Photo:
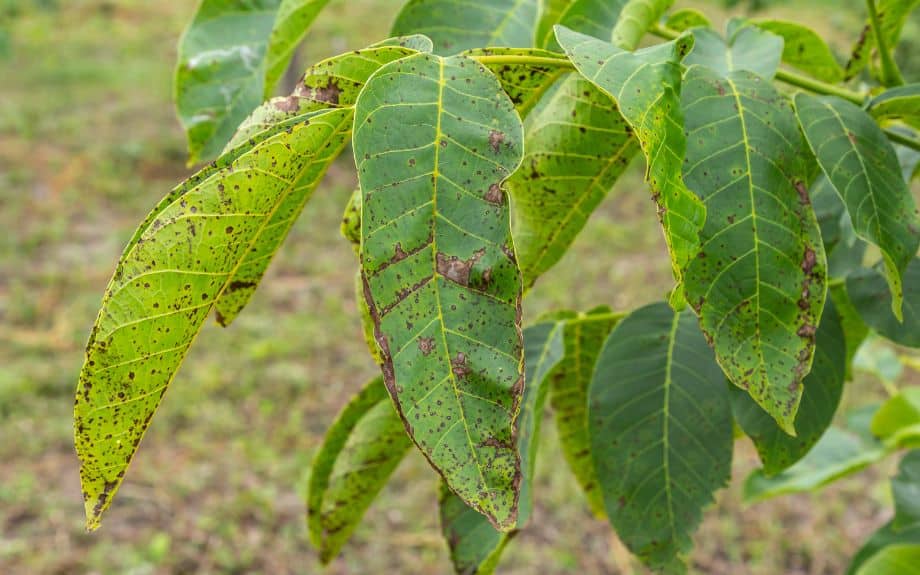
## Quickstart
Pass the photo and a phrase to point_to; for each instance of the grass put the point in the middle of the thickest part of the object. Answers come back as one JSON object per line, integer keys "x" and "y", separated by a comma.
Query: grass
{"x": 88, "y": 143}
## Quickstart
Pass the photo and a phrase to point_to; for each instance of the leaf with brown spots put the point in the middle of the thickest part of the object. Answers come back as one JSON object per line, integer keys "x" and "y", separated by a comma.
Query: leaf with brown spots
{"x": 360, "y": 451}
{"x": 459, "y": 283}
{"x": 183, "y": 259}
{"x": 525, "y": 82}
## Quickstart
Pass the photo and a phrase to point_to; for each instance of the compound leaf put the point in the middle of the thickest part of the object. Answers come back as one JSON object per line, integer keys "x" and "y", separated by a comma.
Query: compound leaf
{"x": 758, "y": 282}
{"x": 901, "y": 103}
{"x": 804, "y": 49}
{"x": 361, "y": 450}
{"x": 458, "y": 25}
{"x": 857, "y": 158}
{"x": 170, "y": 277}
{"x": 823, "y": 388}
{"x": 569, "y": 382}
{"x": 661, "y": 431}
{"x": 749, "y": 48}
{"x": 646, "y": 86}
{"x": 871, "y": 297}
{"x": 475, "y": 545}
{"x": 576, "y": 147}
{"x": 434, "y": 140}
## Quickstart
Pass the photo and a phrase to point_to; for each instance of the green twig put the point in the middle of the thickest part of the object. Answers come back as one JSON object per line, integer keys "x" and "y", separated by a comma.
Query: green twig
{"x": 891, "y": 76}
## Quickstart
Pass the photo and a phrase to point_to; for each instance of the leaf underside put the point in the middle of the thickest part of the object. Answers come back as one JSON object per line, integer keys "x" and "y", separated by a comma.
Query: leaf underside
{"x": 759, "y": 280}
{"x": 661, "y": 431}
{"x": 438, "y": 265}
{"x": 805, "y": 50}
{"x": 749, "y": 48}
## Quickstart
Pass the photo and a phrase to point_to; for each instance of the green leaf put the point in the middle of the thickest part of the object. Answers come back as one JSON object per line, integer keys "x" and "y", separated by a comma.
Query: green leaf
{"x": 435, "y": 138}
{"x": 636, "y": 17}
{"x": 905, "y": 488}
{"x": 899, "y": 417}
{"x": 170, "y": 277}
{"x": 475, "y": 545}
{"x": 892, "y": 15}
{"x": 576, "y": 147}
{"x": 458, "y": 25}
{"x": 885, "y": 536}
{"x": 525, "y": 83}
{"x": 592, "y": 17}
{"x": 901, "y": 104}
{"x": 861, "y": 164}
{"x": 682, "y": 20}
{"x": 331, "y": 83}
{"x": 837, "y": 454}
{"x": 222, "y": 67}
{"x": 804, "y": 49}
{"x": 645, "y": 85}
{"x": 661, "y": 431}
{"x": 758, "y": 283}
{"x": 291, "y": 24}
{"x": 893, "y": 560}
{"x": 749, "y": 48}
{"x": 823, "y": 388}
{"x": 569, "y": 381}
{"x": 871, "y": 298}
{"x": 359, "y": 453}
{"x": 845, "y": 251}
{"x": 854, "y": 329}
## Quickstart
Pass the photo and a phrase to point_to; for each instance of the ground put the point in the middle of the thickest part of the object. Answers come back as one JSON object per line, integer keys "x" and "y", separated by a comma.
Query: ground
{"x": 88, "y": 144}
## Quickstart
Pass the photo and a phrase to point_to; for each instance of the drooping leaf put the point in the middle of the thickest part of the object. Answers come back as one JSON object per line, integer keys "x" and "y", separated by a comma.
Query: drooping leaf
{"x": 292, "y": 21}
{"x": 901, "y": 103}
{"x": 758, "y": 283}
{"x": 222, "y": 69}
{"x": 686, "y": 19}
{"x": 905, "y": 488}
{"x": 636, "y": 17}
{"x": 435, "y": 138}
{"x": 332, "y": 83}
{"x": 458, "y": 25}
{"x": 897, "y": 422}
{"x": 592, "y": 17}
{"x": 871, "y": 297}
{"x": 576, "y": 147}
{"x": 892, "y": 16}
{"x": 361, "y": 450}
{"x": 569, "y": 381}
{"x": 646, "y": 86}
{"x": 804, "y": 49}
{"x": 525, "y": 83}
{"x": 896, "y": 559}
{"x": 885, "y": 536}
{"x": 861, "y": 164}
{"x": 749, "y": 48}
{"x": 168, "y": 280}
{"x": 823, "y": 388}
{"x": 475, "y": 545}
{"x": 837, "y": 454}
{"x": 661, "y": 431}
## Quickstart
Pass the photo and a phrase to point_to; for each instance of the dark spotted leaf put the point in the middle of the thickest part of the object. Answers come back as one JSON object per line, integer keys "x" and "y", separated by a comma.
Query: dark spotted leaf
{"x": 458, "y": 25}
{"x": 758, "y": 282}
{"x": 804, "y": 49}
{"x": 576, "y": 147}
{"x": 646, "y": 86}
{"x": 686, "y": 19}
{"x": 434, "y": 140}
{"x": 475, "y": 545}
{"x": 661, "y": 431}
{"x": 823, "y": 388}
{"x": 900, "y": 104}
{"x": 231, "y": 54}
{"x": 525, "y": 83}
{"x": 592, "y": 17}
{"x": 747, "y": 48}
{"x": 857, "y": 158}
{"x": 170, "y": 277}
{"x": 871, "y": 297}
{"x": 569, "y": 381}
{"x": 892, "y": 16}
{"x": 360, "y": 451}
{"x": 896, "y": 559}
{"x": 837, "y": 454}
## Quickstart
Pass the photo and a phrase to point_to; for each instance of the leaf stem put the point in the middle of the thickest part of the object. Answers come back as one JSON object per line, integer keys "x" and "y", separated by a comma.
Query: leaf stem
{"x": 891, "y": 76}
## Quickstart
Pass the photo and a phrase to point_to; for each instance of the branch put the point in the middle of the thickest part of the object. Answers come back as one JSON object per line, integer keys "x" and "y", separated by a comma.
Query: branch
{"x": 891, "y": 76}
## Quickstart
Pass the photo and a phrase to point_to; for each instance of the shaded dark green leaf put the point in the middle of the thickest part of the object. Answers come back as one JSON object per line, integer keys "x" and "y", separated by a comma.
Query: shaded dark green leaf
{"x": 905, "y": 488}
{"x": 885, "y": 536}
{"x": 871, "y": 297}
{"x": 900, "y": 104}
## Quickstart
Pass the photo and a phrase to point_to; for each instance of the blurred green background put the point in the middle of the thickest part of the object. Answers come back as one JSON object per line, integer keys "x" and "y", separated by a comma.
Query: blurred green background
{"x": 89, "y": 143}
